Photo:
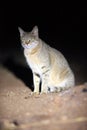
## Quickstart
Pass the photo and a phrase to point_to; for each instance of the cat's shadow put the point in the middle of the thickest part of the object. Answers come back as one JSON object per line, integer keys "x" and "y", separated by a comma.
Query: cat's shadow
{"x": 20, "y": 71}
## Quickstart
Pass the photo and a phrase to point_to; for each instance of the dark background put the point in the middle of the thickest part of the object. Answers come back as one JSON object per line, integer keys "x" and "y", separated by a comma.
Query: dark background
{"x": 62, "y": 28}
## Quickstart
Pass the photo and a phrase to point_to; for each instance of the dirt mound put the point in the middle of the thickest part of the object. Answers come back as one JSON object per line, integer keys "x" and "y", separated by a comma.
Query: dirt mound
{"x": 19, "y": 110}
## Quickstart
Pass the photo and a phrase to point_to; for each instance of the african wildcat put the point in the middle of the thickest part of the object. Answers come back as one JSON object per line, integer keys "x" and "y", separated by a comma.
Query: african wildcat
{"x": 47, "y": 64}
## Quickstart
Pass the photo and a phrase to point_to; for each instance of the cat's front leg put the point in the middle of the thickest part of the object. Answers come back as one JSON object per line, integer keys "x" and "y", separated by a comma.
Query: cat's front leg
{"x": 36, "y": 80}
{"x": 44, "y": 86}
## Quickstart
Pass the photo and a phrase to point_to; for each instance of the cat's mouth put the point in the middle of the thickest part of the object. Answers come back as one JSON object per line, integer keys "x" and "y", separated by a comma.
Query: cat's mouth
{"x": 29, "y": 45}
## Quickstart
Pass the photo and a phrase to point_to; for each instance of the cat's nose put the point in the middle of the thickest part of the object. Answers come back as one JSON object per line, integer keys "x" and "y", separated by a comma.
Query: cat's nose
{"x": 27, "y": 42}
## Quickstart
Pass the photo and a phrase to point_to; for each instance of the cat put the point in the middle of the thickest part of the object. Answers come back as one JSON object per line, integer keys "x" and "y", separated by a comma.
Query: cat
{"x": 49, "y": 67}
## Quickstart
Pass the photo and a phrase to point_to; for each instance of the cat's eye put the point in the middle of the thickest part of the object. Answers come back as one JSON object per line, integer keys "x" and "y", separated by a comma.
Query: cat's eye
{"x": 22, "y": 40}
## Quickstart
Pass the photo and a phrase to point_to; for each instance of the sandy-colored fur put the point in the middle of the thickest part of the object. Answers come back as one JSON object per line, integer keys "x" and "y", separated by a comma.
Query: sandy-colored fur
{"x": 47, "y": 64}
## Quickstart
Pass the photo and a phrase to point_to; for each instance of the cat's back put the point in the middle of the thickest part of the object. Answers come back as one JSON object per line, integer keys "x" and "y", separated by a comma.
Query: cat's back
{"x": 57, "y": 57}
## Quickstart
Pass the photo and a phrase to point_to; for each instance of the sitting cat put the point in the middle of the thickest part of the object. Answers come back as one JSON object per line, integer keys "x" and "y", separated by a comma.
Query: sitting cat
{"x": 48, "y": 65}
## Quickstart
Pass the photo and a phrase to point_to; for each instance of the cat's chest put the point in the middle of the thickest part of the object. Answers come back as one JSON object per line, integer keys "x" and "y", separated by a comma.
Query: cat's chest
{"x": 34, "y": 64}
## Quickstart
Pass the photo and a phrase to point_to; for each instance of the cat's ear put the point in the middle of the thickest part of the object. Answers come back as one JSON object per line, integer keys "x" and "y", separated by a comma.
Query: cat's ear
{"x": 22, "y": 32}
{"x": 35, "y": 31}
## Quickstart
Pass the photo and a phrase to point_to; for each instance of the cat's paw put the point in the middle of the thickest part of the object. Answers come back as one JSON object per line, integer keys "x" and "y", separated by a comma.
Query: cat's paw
{"x": 35, "y": 93}
{"x": 43, "y": 92}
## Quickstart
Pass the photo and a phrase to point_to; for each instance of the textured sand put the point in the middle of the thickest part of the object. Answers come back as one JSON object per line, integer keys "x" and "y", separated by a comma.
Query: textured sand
{"x": 19, "y": 110}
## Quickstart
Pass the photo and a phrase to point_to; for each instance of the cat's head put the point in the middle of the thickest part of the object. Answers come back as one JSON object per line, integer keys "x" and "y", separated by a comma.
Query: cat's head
{"x": 29, "y": 39}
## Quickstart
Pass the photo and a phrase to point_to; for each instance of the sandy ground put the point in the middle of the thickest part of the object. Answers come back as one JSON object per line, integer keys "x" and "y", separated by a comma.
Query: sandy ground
{"x": 19, "y": 110}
